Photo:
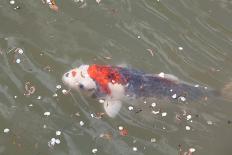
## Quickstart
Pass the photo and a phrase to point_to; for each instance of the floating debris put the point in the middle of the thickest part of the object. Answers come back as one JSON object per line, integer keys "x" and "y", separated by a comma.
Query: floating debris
{"x": 107, "y": 136}
{"x": 51, "y": 4}
{"x": 164, "y": 114}
{"x": 138, "y": 37}
{"x": 150, "y": 51}
{"x": 15, "y": 96}
{"x": 47, "y": 113}
{"x": 187, "y": 128}
{"x": 44, "y": 126}
{"x": 107, "y": 57}
{"x": 58, "y": 133}
{"x": 82, "y": 123}
{"x": 29, "y": 89}
{"x": 135, "y": 149}
{"x": 94, "y": 150}
{"x": 196, "y": 85}
{"x": 130, "y": 108}
{"x": 6, "y": 130}
{"x": 30, "y": 105}
{"x": 77, "y": 114}
{"x": 153, "y": 140}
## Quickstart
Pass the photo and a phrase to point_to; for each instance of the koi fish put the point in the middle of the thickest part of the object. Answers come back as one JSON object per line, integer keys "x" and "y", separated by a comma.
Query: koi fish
{"x": 114, "y": 83}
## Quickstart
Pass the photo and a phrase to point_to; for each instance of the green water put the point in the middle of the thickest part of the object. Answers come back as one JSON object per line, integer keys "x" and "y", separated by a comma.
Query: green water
{"x": 124, "y": 30}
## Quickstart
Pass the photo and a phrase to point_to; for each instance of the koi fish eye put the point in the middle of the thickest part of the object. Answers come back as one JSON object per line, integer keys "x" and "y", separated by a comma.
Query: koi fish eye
{"x": 67, "y": 74}
{"x": 81, "y": 86}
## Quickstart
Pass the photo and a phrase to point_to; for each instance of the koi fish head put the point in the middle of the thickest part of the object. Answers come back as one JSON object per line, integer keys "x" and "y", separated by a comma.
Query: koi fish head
{"x": 78, "y": 78}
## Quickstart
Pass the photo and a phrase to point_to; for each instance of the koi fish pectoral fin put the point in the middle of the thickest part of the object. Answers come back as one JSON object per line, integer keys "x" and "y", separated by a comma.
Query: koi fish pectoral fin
{"x": 112, "y": 107}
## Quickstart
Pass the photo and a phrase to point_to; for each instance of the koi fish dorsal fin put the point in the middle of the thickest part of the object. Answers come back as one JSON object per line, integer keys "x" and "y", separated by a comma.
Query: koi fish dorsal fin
{"x": 112, "y": 107}
{"x": 167, "y": 76}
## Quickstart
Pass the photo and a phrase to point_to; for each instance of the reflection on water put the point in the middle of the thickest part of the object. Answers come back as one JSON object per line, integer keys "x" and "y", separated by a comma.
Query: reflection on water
{"x": 190, "y": 39}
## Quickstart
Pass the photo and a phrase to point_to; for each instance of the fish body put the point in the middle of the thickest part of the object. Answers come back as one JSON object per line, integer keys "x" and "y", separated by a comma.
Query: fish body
{"x": 113, "y": 83}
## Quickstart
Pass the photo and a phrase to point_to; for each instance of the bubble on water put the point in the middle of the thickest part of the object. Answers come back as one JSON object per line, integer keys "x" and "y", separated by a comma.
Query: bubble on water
{"x": 189, "y": 117}
{"x": 153, "y": 104}
{"x": 64, "y": 91}
{"x": 130, "y": 108}
{"x": 161, "y": 74}
{"x": 138, "y": 37}
{"x": 57, "y": 141}
{"x": 196, "y": 85}
{"x": 120, "y": 128}
{"x": 20, "y": 51}
{"x": 30, "y": 105}
{"x": 182, "y": 98}
{"x": 187, "y": 128}
{"x": 58, "y": 133}
{"x": 98, "y": 1}
{"x": 55, "y": 95}
{"x": 135, "y": 149}
{"x": 209, "y": 122}
{"x": 94, "y": 150}
{"x": 12, "y": 2}
{"x": 58, "y": 86}
{"x": 47, "y": 113}
{"x": 15, "y": 97}
{"x": 101, "y": 101}
{"x": 180, "y": 48}
{"x": 155, "y": 112}
{"x": 39, "y": 97}
{"x": 192, "y": 150}
{"x": 6, "y": 130}
{"x": 18, "y": 61}
{"x": 82, "y": 123}
{"x": 164, "y": 114}
{"x": 174, "y": 96}
{"x": 52, "y": 142}
{"x": 153, "y": 140}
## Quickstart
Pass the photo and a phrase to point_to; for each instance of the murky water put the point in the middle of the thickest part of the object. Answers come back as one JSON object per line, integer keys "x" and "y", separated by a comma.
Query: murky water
{"x": 191, "y": 39}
